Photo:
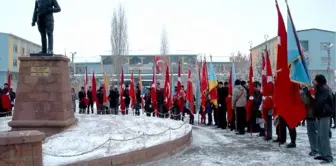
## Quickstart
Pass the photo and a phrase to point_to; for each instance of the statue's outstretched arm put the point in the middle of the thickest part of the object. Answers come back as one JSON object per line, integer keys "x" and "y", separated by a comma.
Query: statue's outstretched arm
{"x": 56, "y": 7}
{"x": 35, "y": 13}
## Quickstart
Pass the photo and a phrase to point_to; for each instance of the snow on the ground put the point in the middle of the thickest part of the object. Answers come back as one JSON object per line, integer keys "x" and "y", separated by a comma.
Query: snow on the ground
{"x": 4, "y": 123}
{"x": 96, "y": 136}
{"x": 216, "y": 147}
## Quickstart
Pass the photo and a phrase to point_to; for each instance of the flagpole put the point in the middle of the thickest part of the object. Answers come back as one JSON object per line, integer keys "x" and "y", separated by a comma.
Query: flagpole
{"x": 265, "y": 120}
{"x": 250, "y": 42}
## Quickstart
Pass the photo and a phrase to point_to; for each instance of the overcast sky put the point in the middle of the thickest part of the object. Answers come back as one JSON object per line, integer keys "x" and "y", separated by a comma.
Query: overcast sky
{"x": 217, "y": 27}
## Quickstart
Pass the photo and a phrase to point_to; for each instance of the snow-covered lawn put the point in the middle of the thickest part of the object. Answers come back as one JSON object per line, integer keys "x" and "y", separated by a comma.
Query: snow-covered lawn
{"x": 96, "y": 136}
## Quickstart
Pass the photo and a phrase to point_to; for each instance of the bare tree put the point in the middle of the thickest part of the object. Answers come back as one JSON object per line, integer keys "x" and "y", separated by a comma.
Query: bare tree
{"x": 241, "y": 62}
{"x": 239, "y": 57}
{"x": 257, "y": 69}
{"x": 119, "y": 39}
{"x": 164, "y": 42}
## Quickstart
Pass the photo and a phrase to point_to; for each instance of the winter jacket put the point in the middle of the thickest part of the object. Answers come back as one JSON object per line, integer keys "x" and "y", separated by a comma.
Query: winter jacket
{"x": 222, "y": 94}
{"x": 100, "y": 96}
{"x": 159, "y": 96}
{"x": 127, "y": 97}
{"x": 89, "y": 95}
{"x": 208, "y": 107}
{"x": 138, "y": 96}
{"x": 257, "y": 99}
{"x": 239, "y": 97}
{"x": 308, "y": 101}
{"x": 74, "y": 96}
{"x": 81, "y": 96}
{"x": 324, "y": 104}
{"x": 113, "y": 96}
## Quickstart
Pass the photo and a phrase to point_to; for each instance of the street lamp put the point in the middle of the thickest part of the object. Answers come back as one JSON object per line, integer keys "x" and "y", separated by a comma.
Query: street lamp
{"x": 72, "y": 61}
{"x": 327, "y": 47}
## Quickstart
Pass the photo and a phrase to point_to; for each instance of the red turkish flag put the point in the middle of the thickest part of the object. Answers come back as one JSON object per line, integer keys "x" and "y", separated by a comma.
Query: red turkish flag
{"x": 167, "y": 90}
{"x": 286, "y": 97}
{"x": 160, "y": 63}
{"x": 251, "y": 92}
{"x": 190, "y": 93}
{"x": 122, "y": 88}
{"x": 132, "y": 91}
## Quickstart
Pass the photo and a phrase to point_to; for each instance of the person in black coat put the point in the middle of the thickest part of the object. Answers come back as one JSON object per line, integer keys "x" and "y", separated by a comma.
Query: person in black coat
{"x": 138, "y": 101}
{"x": 148, "y": 103}
{"x": 222, "y": 93}
{"x": 256, "y": 114}
{"x": 127, "y": 98}
{"x": 89, "y": 96}
{"x": 323, "y": 109}
{"x": 334, "y": 115}
{"x": 113, "y": 97}
{"x": 81, "y": 97}
{"x": 160, "y": 100}
{"x": 100, "y": 100}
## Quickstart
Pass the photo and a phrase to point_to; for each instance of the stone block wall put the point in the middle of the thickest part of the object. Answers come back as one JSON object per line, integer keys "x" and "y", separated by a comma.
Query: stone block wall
{"x": 21, "y": 148}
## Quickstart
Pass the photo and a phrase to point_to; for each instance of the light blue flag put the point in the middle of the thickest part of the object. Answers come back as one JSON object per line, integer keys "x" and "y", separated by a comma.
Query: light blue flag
{"x": 173, "y": 87}
{"x": 233, "y": 77}
{"x": 299, "y": 70}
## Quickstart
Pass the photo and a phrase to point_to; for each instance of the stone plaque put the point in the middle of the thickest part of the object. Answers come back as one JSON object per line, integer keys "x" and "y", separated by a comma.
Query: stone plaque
{"x": 39, "y": 71}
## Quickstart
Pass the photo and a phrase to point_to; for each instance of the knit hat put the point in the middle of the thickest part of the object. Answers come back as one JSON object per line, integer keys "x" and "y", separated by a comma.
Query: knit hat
{"x": 320, "y": 79}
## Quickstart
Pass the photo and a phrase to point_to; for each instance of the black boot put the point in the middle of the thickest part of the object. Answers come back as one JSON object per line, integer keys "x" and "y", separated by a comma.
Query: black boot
{"x": 291, "y": 145}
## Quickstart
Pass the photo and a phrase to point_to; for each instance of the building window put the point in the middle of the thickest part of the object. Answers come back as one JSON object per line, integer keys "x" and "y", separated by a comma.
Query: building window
{"x": 324, "y": 60}
{"x": 324, "y": 46}
{"x": 305, "y": 45}
{"x": 14, "y": 62}
{"x": 148, "y": 59}
{"x": 80, "y": 69}
{"x": 135, "y": 60}
{"x": 22, "y": 51}
{"x": 15, "y": 49}
{"x": 107, "y": 61}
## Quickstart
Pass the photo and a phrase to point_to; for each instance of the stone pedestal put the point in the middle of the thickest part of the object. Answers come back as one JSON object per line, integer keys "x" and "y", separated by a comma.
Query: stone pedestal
{"x": 21, "y": 148}
{"x": 43, "y": 95}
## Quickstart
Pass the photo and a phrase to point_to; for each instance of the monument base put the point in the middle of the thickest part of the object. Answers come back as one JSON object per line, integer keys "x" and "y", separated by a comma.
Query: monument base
{"x": 43, "y": 95}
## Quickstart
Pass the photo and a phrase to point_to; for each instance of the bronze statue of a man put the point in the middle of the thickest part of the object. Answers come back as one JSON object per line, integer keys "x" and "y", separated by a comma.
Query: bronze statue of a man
{"x": 43, "y": 15}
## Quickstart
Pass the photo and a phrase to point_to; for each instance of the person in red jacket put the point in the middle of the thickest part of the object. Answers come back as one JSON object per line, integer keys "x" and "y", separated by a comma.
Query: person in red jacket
{"x": 181, "y": 99}
{"x": 6, "y": 101}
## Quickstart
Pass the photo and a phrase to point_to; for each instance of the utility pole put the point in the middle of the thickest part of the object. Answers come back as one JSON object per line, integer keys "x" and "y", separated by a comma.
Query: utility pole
{"x": 327, "y": 47}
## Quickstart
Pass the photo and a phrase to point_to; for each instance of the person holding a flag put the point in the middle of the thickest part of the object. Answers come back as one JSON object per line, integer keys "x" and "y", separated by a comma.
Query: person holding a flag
{"x": 74, "y": 98}
{"x": 238, "y": 104}
{"x": 127, "y": 98}
{"x": 82, "y": 103}
{"x": 89, "y": 96}
{"x": 324, "y": 108}
{"x": 113, "y": 97}
{"x": 100, "y": 100}
{"x": 138, "y": 102}
{"x": 222, "y": 93}
{"x": 148, "y": 102}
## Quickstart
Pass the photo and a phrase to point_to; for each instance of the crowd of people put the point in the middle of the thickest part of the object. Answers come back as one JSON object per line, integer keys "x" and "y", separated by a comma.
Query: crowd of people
{"x": 143, "y": 101}
{"x": 7, "y": 98}
{"x": 320, "y": 106}
{"x": 318, "y": 99}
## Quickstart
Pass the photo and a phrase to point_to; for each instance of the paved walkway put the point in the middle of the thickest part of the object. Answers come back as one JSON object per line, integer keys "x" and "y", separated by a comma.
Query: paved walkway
{"x": 215, "y": 147}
